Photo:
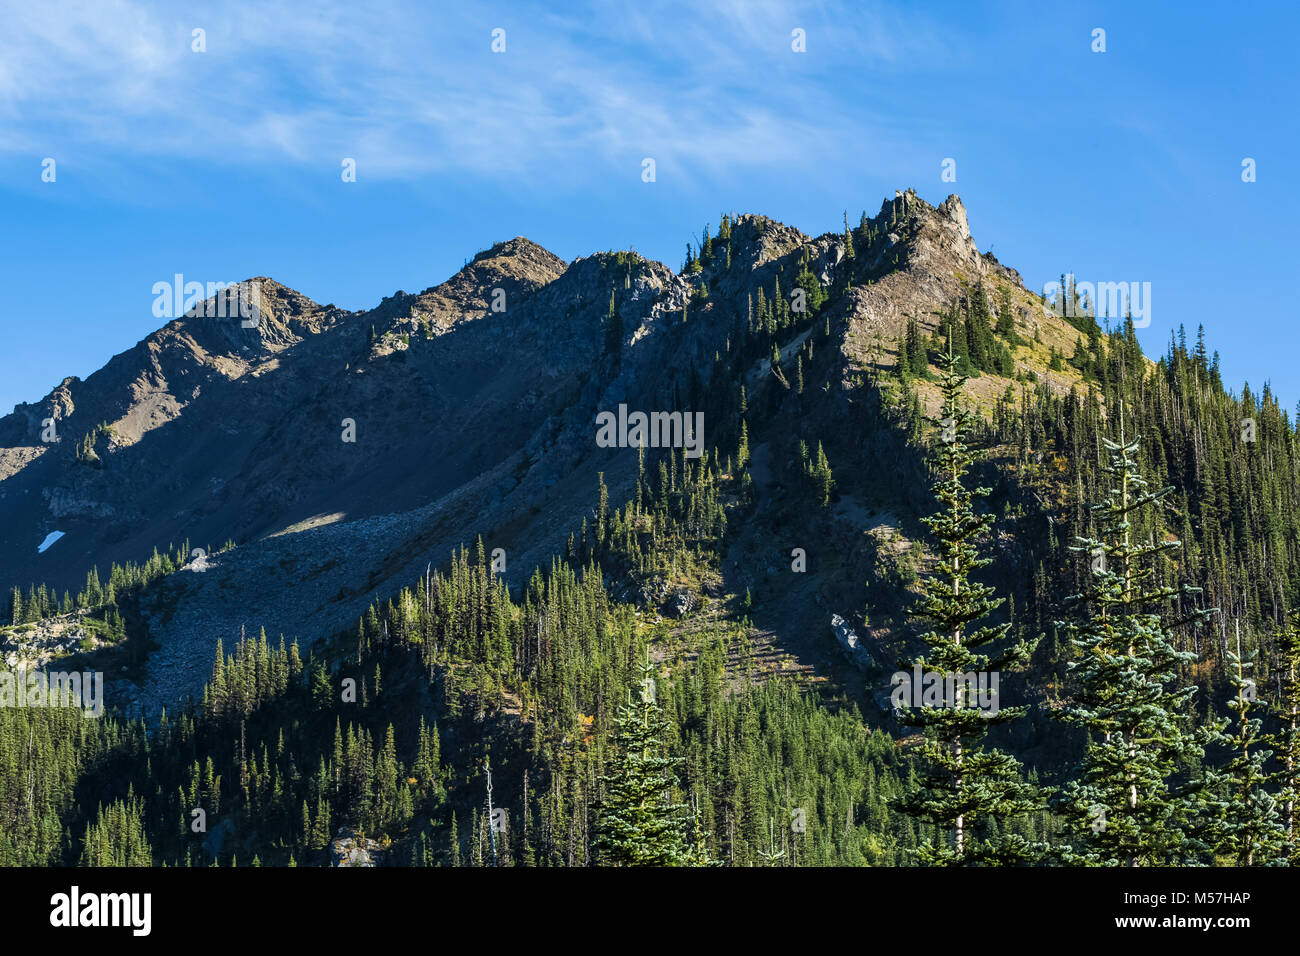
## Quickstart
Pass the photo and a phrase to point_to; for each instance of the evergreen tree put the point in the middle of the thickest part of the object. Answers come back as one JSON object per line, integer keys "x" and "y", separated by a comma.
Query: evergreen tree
{"x": 915, "y": 358}
{"x": 825, "y": 483}
{"x": 814, "y": 294}
{"x": 1250, "y": 829}
{"x": 1287, "y": 738}
{"x": 453, "y": 843}
{"x": 965, "y": 786}
{"x": 613, "y": 330}
{"x": 602, "y": 510}
{"x": 1131, "y": 801}
{"x": 638, "y": 824}
{"x": 1006, "y": 316}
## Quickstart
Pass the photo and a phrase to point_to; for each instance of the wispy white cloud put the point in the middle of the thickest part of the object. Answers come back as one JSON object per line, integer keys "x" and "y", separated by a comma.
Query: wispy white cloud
{"x": 407, "y": 91}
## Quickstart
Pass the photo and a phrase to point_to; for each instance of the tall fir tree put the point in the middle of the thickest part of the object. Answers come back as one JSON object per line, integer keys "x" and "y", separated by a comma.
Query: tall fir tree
{"x": 968, "y": 791}
{"x": 1286, "y": 740}
{"x": 1134, "y": 798}
{"x": 1250, "y": 829}
{"x": 639, "y": 824}
{"x": 824, "y": 481}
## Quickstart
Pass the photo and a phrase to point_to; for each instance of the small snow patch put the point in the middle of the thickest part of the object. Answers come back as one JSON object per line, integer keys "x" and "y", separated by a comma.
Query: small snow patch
{"x": 49, "y": 540}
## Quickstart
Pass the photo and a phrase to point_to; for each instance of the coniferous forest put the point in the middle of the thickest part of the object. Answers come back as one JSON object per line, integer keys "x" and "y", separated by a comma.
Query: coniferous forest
{"x": 458, "y": 441}
{"x": 1119, "y": 553}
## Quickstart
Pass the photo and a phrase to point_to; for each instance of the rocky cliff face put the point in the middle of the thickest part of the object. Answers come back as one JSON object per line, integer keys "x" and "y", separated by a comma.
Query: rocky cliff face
{"x": 344, "y": 451}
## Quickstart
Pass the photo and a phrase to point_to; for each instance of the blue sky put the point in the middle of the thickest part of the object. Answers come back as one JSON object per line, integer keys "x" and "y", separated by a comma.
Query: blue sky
{"x": 1118, "y": 166}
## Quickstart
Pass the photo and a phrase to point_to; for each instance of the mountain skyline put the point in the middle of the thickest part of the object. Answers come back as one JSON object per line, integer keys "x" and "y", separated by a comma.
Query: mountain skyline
{"x": 415, "y": 505}
{"x": 1116, "y": 166}
{"x": 471, "y": 404}
{"x": 734, "y": 435}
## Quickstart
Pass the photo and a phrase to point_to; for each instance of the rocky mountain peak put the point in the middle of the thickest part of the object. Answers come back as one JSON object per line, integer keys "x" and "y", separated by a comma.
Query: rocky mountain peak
{"x": 521, "y": 253}
{"x": 953, "y": 209}
{"x": 501, "y": 274}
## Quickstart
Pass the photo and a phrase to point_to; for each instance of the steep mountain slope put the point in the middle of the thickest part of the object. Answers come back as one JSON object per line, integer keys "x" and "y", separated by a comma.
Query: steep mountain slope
{"x": 472, "y": 408}
{"x": 217, "y": 430}
{"x": 475, "y": 430}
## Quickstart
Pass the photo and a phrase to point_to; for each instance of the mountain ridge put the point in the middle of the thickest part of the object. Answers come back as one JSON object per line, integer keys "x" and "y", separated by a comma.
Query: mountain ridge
{"x": 467, "y": 421}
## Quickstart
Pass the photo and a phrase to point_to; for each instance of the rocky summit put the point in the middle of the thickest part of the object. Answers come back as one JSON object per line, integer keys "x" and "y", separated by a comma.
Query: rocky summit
{"x": 470, "y": 407}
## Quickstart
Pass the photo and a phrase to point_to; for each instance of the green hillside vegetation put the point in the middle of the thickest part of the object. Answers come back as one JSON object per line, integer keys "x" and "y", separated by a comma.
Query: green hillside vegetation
{"x": 1112, "y": 529}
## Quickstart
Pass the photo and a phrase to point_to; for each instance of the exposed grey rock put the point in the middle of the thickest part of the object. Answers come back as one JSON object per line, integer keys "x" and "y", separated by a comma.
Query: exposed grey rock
{"x": 350, "y": 848}
{"x": 853, "y": 648}
{"x": 684, "y": 602}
